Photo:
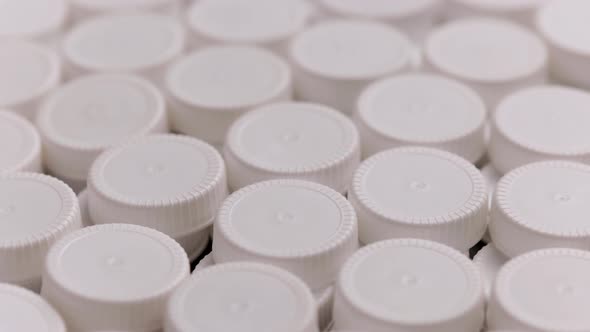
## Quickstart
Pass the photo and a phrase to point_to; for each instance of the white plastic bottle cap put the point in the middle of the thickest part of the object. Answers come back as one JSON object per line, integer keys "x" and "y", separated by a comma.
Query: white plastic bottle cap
{"x": 118, "y": 43}
{"x": 88, "y": 115}
{"x": 20, "y": 144}
{"x": 540, "y": 123}
{"x": 324, "y": 297}
{"x": 35, "y": 211}
{"x": 227, "y": 297}
{"x": 489, "y": 261}
{"x": 415, "y": 17}
{"x": 84, "y": 213}
{"x": 518, "y": 11}
{"x": 542, "y": 205}
{"x": 544, "y": 290}
{"x": 171, "y": 183}
{"x": 267, "y": 23}
{"x": 495, "y": 57}
{"x": 334, "y": 61}
{"x": 82, "y": 9}
{"x": 29, "y": 72}
{"x": 113, "y": 276}
{"x": 420, "y": 193}
{"x": 292, "y": 140}
{"x": 213, "y": 86}
{"x": 422, "y": 109}
{"x": 23, "y": 310}
{"x": 409, "y": 285}
{"x": 41, "y": 20}
{"x": 560, "y": 23}
{"x": 301, "y": 226}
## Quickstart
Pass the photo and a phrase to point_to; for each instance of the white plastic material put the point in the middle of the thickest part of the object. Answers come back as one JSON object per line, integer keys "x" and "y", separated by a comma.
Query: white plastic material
{"x": 84, "y": 213}
{"x": 171, "y": 183}
{"x": 41, "y": 20}
{"x": 20, "y": 144}
{"x": 409, "y": 285}
{"x": 560, "y": 23}
{"x": 35, "y": 211}
{"x": 120, "y": 43}
{"x": 194, "y": 242}
{"x": 542, "y": 291}
{"x": 246, "y": 297}
{"x": 29, "y": 72}
{"x": 83, "y": 9}
{"x": 495, "y": 57}
{"x": 266, "y": 23}
{"x": 489, "y": 261}
{"x": 292, "y": 140}
{"x": 541, "y": 123}
{"x": 86, "y": 116}
{"x": 116, "y": 276}
{"x": 334, "y": 61}
{"x": 492, "y": 176}
{"x": 542, "y": 205}
{"x": 23, "y": 310}
{"x": 303, "y": 227}
{"x": 414, "y": 17}
{"x": 518, "y": 11}
{"x": 323, "y": 297}
{"x": 422, "y": 109}
{"x": 420, "y": 193}
{"x": 213, "y": 86}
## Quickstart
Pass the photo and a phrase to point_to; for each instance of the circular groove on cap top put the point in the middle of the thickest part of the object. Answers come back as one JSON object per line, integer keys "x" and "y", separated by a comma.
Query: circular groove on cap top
{"x": 543, "y": 290}
{"x": 416, "y": 109}
{"x": 532, "y": 214}
{"x": 20, "y": 144}
{"x": 117, "y": 42}
{"x": 397, "y": 270}
{"x": 520, "y": 132}
{"x": 114, "y": 276}
{"x": 247, "y": 21}
{"x": 32, "y": 18}
{"x": 312, "y": 228}
{"x": 23, "y": 310}
{"x": 26, "y": 234}
{"x": 237, "y": 288}
{"x": 19, "y": 86}
{"x": 169, "y": 182}
{"x": 90, "y": 114}
{"x": 280, "y": 140}
{"x": 509, "y": 52}
{"x": 460, "y": 224}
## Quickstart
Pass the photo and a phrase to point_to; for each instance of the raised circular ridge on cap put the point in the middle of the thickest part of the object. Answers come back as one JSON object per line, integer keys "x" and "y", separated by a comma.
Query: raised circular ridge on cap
{"x": 216, "y": 55}
{"x": 51, "y": 67}
{"x": 69, "y": 213}
{"x": 502, "y": 297}
{"x": 367, "y": 107}
{"x": 502, "y": 197}
{"x": 467, "y": 27}
{"x": 53, "y": 269}
{"x": 350, "y": 144}
{"x": 158, "y": 109}
{"x": 504, "y": 110}
{"x": 214, "y": 175}
{"x": 27, "y": 129}
{"x": 345, "y": 230}
{"x": 477, "y": 198}
{"x": 229, "y": 20}
{"x": 472, "y": 275}
{"x": 176, "y": 314}
{"x": 107, "y": 30}
{"x": 337, "y": 36}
